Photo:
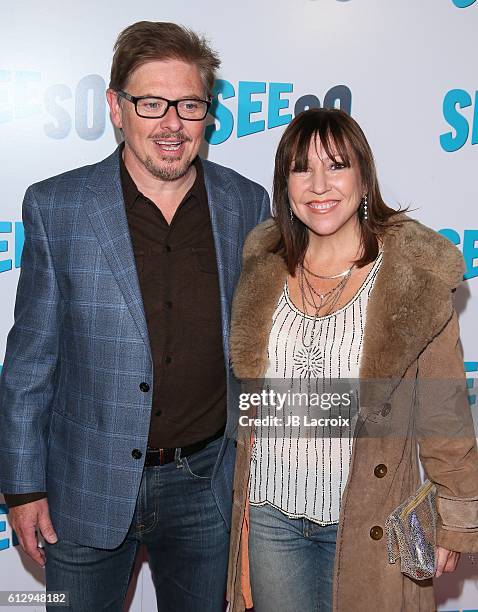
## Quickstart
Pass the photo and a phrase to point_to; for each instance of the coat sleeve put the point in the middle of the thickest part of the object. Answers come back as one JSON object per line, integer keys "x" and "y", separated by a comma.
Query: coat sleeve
{"x": 447, "y": 439}
{"x": 28, "y": 375}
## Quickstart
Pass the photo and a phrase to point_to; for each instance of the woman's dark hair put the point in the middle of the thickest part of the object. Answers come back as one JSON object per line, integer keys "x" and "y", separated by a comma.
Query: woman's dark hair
{"x": 341, "y": 136}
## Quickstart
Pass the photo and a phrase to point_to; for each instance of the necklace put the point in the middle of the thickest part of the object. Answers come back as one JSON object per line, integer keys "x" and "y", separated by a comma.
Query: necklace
{"x": 325, "y": 300}
{"x": 323, "y": 296}
{"x": 344, "y": 273}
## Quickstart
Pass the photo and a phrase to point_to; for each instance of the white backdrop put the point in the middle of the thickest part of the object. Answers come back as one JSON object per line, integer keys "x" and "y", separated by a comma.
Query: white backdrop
{"x": 403, "y": 68}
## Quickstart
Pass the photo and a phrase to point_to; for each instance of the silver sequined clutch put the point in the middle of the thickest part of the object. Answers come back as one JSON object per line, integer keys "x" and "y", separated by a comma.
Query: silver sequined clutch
{"x": 411, "y": 533}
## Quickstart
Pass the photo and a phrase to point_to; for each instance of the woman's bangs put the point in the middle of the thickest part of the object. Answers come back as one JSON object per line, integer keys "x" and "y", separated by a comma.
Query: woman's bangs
{"x": 330, "y": 135}
{"x": 334, "y": 142}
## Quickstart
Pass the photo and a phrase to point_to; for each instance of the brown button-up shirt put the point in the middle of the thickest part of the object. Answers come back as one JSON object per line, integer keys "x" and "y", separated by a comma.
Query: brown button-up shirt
{"x": 178, "y": 277}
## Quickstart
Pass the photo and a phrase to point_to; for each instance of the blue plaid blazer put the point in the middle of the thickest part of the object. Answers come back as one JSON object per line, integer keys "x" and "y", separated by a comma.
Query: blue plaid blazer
{"x": 71, "y": 407}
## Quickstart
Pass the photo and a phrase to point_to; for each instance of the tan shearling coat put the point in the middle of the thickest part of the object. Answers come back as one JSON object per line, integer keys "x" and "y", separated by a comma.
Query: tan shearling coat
{"x": 411, "y": 337}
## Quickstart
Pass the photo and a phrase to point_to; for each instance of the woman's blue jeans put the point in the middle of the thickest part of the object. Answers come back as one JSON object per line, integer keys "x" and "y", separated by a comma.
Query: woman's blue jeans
{"x": 291, "y": 562}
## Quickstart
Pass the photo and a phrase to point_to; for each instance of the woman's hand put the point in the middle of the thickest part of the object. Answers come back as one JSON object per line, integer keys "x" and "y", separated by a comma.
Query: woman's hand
{"x": 446, "y": 560}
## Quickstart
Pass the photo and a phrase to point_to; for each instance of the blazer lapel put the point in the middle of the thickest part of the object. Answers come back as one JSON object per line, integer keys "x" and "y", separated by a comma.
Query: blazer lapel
{"x": 225, "y": 221}
{"x": 105, "y": 207}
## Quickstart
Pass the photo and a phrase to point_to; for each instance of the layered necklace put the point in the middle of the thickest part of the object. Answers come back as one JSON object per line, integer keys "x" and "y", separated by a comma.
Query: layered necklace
{"x": 325, "y": 302}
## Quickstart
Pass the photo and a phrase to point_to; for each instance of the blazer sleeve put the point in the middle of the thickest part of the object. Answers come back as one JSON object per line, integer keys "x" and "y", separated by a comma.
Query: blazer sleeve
{"x": 447, "y": 439}
{"x": 28, "y": 376}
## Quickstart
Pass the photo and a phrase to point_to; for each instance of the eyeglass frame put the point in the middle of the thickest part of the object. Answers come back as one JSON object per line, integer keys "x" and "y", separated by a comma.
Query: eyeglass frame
{"x": 135, "y": 99}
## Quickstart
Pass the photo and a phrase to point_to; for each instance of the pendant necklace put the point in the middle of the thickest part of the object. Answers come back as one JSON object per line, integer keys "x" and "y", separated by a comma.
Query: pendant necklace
{"x": 317, "y": 301}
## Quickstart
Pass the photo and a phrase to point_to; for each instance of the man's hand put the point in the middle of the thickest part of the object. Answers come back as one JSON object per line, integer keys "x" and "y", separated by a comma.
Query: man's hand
{"x": 446, "y": 560}
{"x": 25, "y": 520}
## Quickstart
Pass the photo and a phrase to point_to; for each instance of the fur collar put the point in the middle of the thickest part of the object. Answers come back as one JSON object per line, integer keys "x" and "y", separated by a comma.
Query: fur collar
{"x": 409, "y": 305}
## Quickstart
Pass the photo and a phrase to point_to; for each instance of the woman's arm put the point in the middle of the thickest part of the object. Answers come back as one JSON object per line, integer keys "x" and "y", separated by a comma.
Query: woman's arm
{"x": 447, "y": 439}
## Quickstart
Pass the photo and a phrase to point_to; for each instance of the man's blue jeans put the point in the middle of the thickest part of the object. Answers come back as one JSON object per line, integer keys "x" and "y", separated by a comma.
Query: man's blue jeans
{"x": 178, "y": 520}
{"x": 291, "y": 562}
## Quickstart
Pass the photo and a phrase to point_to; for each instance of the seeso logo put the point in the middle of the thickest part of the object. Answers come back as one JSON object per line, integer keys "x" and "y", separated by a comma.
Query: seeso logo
{"x": 454, "y": 102}
{"x": 262, "y": 105}
{"x": 84, "y": 108}
{"x": 471, "y": 367}
{"x": 469, "y": 244}
{"x": 463, "y": 3}
{"x": 13, "y": 243}
{"x": 12, "y": 539}
{"x": 15, "y": 237}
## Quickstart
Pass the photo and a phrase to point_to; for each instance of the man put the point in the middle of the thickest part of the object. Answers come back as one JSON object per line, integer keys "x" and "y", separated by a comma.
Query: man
{"x": 116, "y": 378}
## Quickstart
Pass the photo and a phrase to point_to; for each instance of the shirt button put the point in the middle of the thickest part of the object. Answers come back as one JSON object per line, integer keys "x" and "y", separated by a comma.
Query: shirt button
{"x": 136, "y": 453}
{"x": 158, "y": 412}
{"x": 168, "y": 249}
{"x": 380, "y": 470}
{"x": 144, "y": 387}
{"x": 168, "y": 304}
{"x": 376, "y": 533}
{"x": 168, "y": 359}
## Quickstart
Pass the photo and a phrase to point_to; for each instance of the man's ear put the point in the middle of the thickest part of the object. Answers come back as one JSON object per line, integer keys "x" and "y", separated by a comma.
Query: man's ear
{"x": 115, "y": 108}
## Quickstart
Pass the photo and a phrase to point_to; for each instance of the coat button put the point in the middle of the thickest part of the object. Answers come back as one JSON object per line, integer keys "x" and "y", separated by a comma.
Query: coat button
{"x": 386, "y": 409}
{"x": 380, "y": 470}
{"x": 376, "y": 533}
{"x": 136, "y": 453}
{"x": 144, "y": 387}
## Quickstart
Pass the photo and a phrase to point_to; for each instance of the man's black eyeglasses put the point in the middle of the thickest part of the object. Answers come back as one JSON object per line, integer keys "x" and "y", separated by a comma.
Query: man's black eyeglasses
{"x": 154, "y": 107}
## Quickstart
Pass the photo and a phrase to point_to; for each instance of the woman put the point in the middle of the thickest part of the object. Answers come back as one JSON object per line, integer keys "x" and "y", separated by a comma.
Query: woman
{"x": 340, "y": 286}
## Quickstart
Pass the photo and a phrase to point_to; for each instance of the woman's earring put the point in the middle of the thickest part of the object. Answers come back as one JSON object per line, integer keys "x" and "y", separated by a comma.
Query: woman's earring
{"x": 291, "y": 214}
{"x": 365, "y": 207}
